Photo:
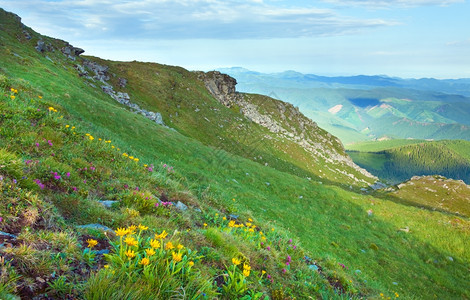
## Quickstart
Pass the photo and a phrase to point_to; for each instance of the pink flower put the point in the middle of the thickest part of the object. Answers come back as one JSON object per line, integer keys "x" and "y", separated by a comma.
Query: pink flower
{"x": 37, "y": 145}
{"x": 290, "y": 241}
{"x": 268, "y": 248}
{"x": 68, "y": 174}
{"x": 284, "y": 271}
{"x": 294, "y": 247}
{"x": 49, "y": 142}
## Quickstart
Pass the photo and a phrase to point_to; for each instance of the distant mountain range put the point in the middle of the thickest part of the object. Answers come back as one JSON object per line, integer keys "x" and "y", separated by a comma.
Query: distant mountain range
{"x": 357, "y": 108}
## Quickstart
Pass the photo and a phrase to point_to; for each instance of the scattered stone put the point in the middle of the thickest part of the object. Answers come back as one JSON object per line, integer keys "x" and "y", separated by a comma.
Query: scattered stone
{"x": 49, "y": 59}
{"x": 108, "y": 203}
{"x": 450, "y": 258}
{"x": 233, "y": 217}
{"x": 198, "y": 210}
{"x": 406, "y": 229}
{"x": 27, "y": 35}
{"x": 8, "y": 235}
{"x": 313, "y": 267}
{"x": 95, "y": 226}
{"x": 41, "y": 46}
{"x": 181, "y": 206}
{"x": 122, "y": 82}
{"x": 101, "y": 252}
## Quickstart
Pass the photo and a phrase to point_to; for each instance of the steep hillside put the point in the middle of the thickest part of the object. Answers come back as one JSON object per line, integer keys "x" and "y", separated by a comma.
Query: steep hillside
{"x": 360, "y": 108}
{"x": 73, "y": 156}
{"x": 196, "y": 105}
{"x": 398, "y": 163}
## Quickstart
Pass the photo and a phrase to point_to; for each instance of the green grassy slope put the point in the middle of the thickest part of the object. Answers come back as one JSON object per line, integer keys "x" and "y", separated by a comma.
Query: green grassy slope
{"x": 333, "y": 226}
{"x": 436, "y": 193}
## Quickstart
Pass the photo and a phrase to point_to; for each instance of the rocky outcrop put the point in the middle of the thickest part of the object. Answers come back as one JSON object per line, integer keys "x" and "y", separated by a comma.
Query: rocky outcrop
{"x": 101, "y": 74}
{"x": 286, "y": 121}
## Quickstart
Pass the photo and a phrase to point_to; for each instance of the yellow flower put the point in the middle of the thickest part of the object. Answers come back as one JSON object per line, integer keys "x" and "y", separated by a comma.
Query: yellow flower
{"x": 125, "y": 154}
{"x": 205, "y": 224}
{"x": 136, "y": 159}
{"x": 51, "y": 108}
{"x": 154, "y": 244}
{"x": 67, "y": 126}
{"x": 246, "y": 267}
{"x": 263, "y": 238}
{"x": 272, "y": 229}
{"x": 142, "y": 227}
{"x": 99, "y": 139}
{"x": 132, "y": 229}
{"x": 191, "y": 263}
{"x": 224, "y": 218}
{"x": 73, "y": 127}
{"x": 263, "y": 272}
{"x": 106, "y": 266}
{"x": 92, "y": 243}
{"x": 130, "y": 241}
{"x": 91, "y": 138}
{"x": 131, "y": 157}
{"x": 251, "y": 230}
{"x": 249, "y": 219}
{"x": 150, "y": 251}
{"x": 246, "y": 273}
{"x": 248, "y": 224}
{"x": 169, "y": 246}
{"x": 176, "y": 256}
{"x": 121, "y": 231}
{"x": 112, "y": 147}
{"x": 12, "y": 97}
{"x": 231, "y": 223}
{"x": 40, "y": 97}
{"x": 161, "y": 235}
{"x": 236, "y": 261}
{"x": 130, "y": 254}
{"x": 216, "y": 214}
{"x": 144, "y": 261}
{"x": 180, "y": 246}
{"x": 145, "y": 166}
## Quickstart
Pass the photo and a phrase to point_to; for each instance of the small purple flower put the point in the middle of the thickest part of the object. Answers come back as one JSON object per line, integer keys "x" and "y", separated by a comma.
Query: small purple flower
{"x": 68, "y": 174}
{"x": 74, "y": 188}
{"x": 290, "y": 241}
{"x": 289, "y": 259}
{"x": 268, "y": 248}
{"x": 14, "y": 181}
{"x": 84, "y": 181}
{"x": 269, "y": 276}
{"x": 157, "y": 204}
{"x": 287, "y": 263}
{"x": 49, "y": 142}
{"x": 92, "y": 168}
{"x": 284, "y": 271}
{"x": 1, "y": 219}
{"x": 294, "y": 247}
{"x": 37, "y": 145}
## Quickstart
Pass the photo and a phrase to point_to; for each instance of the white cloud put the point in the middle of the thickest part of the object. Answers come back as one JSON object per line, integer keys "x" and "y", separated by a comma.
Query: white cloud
{"x": 184, "y": 19}
{"x": 393, "y": 3}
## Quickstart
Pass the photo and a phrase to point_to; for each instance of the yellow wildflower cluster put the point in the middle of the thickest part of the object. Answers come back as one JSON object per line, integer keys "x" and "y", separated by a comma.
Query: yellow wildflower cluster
{"x": 232, "y": 224}
{"x": 52, "y": 109}
{"x": 14, "y": 91}
{"x": 92, "y": 243}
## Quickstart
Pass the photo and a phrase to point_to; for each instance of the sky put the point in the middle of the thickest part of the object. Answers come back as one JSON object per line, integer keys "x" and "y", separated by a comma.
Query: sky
{"x": 403, "y": 38}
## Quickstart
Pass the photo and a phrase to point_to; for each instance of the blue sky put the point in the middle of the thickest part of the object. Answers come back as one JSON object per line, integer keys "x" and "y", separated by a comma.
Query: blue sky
{"x": 406, "y": 38}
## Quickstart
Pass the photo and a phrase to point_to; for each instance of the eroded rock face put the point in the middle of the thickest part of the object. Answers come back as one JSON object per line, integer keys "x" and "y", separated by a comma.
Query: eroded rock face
{"x": 286, "y": 121}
